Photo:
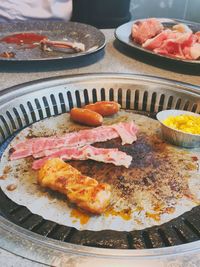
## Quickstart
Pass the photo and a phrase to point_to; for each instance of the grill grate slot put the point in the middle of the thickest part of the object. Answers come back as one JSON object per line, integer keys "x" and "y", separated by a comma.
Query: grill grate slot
{"x": 7, "y": 129}
{"x": 136, "y": 101}
{"x": 39, "y": 109}
{"x": 155, "y": 238}
{"x": 153, "y": 102}
{"x": 21, "y": 214}
{"x": 60, "y": 232}
{"x": 169, "y": 236}
{"x": 32, "y": 222}
{"x": 86, "y": 97}
{"x": 147, "y": 240}
{"x": 94, "y": 95}
{"x": 128, "y": 99}
{"x": 78, "y": 99}
{"x": 137, "y": 240}
{"x": 45, "y": 228}
{"x": 70, "y": 102}
{"x": 62, "y": 103}
{"x": 12, "y": 122}
{"x": 178, "y": 104}
{"x": 101, "y": 239}
{"x": 194, "y": 108}
{"x": 103, "y": 96}
{"x": 54, "y": 104}
{"x": 170, "y": 102}
{"x": 111, "y": 94}
{"x": 144, "y": 102}
{"x": 185, "y": 233}
{"x": 32, "y": 113}
{"x": 46, "y": 106}
{"x": 25, "y": 114}
{"x": 194, "y": 224}
{"x": 18, "y": 118}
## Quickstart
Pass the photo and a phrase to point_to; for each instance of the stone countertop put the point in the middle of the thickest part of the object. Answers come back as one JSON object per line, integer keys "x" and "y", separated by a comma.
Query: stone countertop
{"x": 114, "y": 58}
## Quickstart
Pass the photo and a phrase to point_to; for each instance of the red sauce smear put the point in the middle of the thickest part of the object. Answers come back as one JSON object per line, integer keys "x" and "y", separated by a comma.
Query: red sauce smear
{"x": 23, "y": 38}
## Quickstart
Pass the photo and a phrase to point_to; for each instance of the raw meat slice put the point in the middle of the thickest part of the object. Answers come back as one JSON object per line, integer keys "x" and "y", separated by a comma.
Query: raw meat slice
{"x": 143, "y": 30}
{"x": 106, "y": 155}
{"x": 75, "y": 139}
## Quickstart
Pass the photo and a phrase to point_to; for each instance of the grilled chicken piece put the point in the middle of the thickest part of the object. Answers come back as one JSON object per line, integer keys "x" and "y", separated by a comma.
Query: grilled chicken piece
{"x": 82, "y": 190}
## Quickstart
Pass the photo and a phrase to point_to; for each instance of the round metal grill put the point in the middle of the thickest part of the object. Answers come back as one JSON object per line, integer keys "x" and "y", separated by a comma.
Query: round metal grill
{"x": 31, "y": 102}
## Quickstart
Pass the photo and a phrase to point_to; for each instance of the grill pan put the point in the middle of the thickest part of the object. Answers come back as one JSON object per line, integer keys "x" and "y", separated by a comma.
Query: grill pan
{"x": 23, "y": 232}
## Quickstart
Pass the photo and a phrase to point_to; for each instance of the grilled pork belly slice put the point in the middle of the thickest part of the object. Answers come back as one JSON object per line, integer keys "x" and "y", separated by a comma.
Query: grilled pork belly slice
{"x": 82, "y": 190}
{"x": 106, "y": 155}
{"x": 37, "y": 146}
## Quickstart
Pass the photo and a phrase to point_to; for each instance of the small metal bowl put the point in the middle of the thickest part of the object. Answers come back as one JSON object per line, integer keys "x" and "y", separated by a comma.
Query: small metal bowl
{"x": 177, "y": 137}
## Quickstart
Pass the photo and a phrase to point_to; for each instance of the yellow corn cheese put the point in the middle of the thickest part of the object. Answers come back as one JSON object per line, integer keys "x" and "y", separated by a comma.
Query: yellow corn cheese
{"x": 184, "y": 122}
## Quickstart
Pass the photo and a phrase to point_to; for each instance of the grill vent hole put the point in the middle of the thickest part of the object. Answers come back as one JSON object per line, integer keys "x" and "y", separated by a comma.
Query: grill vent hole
{"x": 186, "y": 106}
{"x": 46, "y": 105}
{"x": 192, "y": 227}
{"x": 161, "y": 102}
{"x": 136, "y": 100}
{"x": 86, "y": 97}
{"x": 111, "y": 94}
{"x": 170, "y": 101}
{"x": 128, "y": 99}
{"x": 194, "y": 108}
{"x": 147, "y": 240}
{"x": 25, "y": 114}
{"x": 144, "y": 102}
{"x": 18, "y": 117}
{"x": 70, "y": 234}
{"x": 94, "y": 95}
{"x": 103, "y": 95}
{"x": 62, "y": 103}
{"x": 78, "y": 99}
{"x": 2, "y": 133}
{"x": 153, "y": 102}
{"x": 31, "y": 111}
{"x": 37, "y": 103}
{"x": 120, "y": 96}
{"x": 11, "y": 120}
{"x": 178, "y": 104}
{"x": 180, "y": 235}
{"x": 54, "y": 104}
{"x": 164, "y": 238}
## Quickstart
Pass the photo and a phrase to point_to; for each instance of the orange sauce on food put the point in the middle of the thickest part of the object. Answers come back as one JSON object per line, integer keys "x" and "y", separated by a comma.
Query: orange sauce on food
{"x": 80, "y": 215}
{"x": 124, "y": 214}
{"x": 155, "y": 216}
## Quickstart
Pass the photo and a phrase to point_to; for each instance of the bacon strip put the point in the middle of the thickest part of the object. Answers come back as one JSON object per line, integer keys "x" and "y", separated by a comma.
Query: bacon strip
{"x": 105, "y": 155}
{"x": 39, "y": 146}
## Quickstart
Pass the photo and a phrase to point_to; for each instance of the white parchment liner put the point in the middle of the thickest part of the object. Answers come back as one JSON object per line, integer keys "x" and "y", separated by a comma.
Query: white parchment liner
{"x": 55, "y": 207}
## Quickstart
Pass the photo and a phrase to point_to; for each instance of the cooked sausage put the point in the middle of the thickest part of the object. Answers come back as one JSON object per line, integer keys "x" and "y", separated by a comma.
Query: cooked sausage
{"x": 105, "y": 108}
{"x": 86, "y": 117}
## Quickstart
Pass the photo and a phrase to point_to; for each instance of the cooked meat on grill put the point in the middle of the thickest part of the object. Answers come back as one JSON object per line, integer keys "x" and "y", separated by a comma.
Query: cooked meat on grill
{"x": 39, "y": 147}
{"x": 106, "y": 155}
{"x": 80, "y": 189}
